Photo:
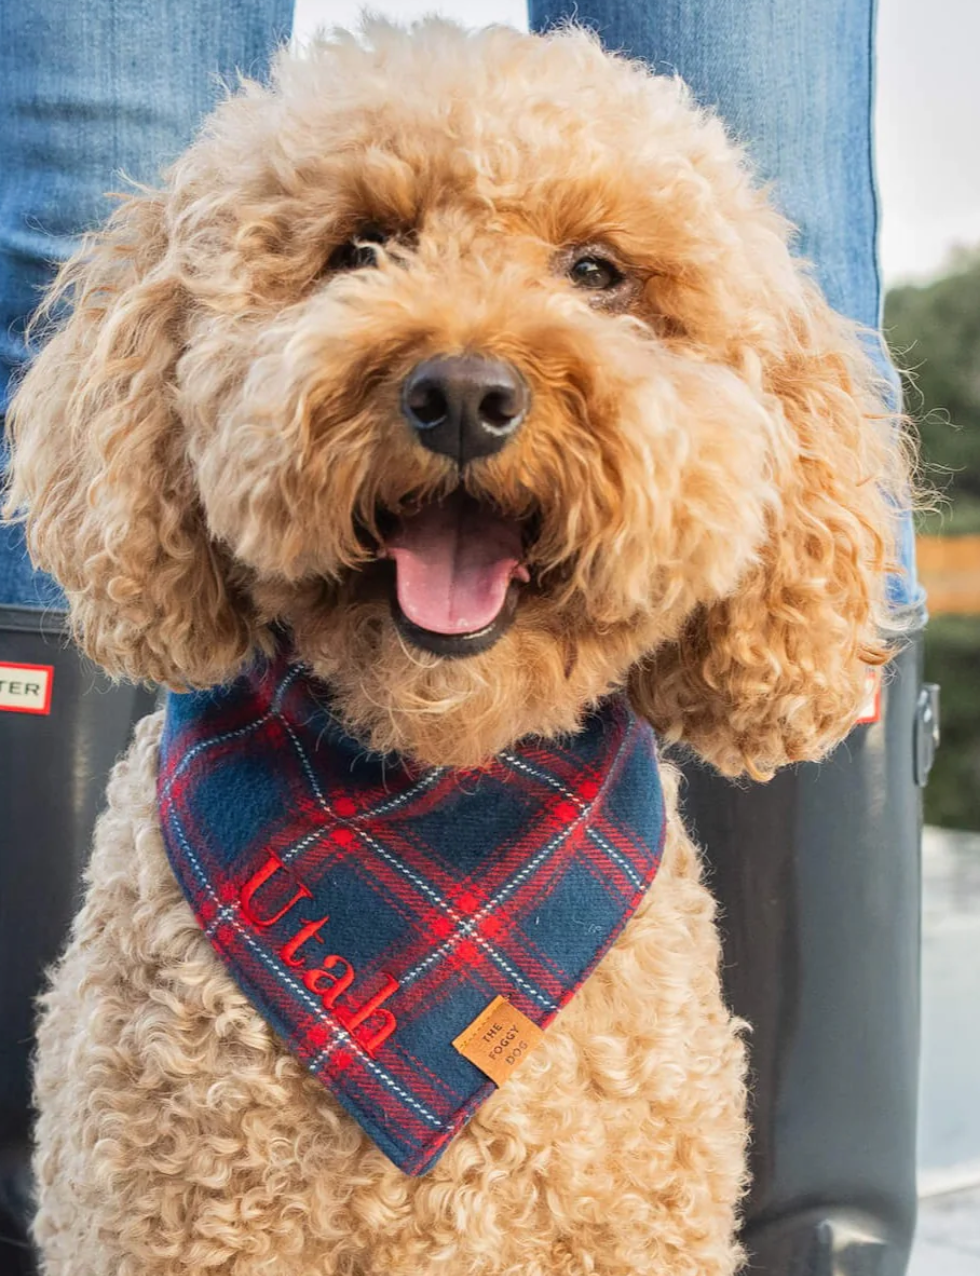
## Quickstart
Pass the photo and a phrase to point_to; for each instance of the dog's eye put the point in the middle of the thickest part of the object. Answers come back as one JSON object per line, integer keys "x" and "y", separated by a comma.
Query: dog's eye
{"x": 358, "y": 251}
{"x": 597, "y": 274}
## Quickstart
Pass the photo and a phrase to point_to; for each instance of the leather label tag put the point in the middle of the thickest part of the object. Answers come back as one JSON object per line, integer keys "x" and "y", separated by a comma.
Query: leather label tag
{"x": 498, "y": 1040}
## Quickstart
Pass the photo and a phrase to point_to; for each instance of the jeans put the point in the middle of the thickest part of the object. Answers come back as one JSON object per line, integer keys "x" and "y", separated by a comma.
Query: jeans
{"x": 99, "y": 88}
{"x": 93, "y": 92}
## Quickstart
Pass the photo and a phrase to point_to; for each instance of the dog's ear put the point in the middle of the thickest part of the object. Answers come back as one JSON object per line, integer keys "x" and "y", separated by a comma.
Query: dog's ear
{"x": 100, "y": 472}
{"x": 776, "y": 672}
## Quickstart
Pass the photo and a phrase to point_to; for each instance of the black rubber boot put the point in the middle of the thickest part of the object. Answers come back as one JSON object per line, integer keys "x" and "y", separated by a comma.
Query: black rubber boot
{"x": 817, "y": 874}
{"x": 62, "y": 726}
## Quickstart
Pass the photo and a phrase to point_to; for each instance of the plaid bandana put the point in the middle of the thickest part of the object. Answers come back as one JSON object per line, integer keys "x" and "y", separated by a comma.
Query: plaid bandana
{"x": 387, "y": 921}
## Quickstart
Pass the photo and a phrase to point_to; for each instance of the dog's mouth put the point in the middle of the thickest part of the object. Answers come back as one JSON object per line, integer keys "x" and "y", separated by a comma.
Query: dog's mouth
{"x": 458, "y": 568}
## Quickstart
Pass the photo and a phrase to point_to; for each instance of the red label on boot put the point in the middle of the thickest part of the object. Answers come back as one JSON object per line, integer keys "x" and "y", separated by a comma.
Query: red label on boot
{"x": 871, "y": 709}
{"x": 25, "y": 688}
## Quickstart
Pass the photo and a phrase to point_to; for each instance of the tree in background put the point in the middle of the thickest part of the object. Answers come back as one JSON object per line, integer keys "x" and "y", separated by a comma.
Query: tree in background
{"x": 934, "y": 333}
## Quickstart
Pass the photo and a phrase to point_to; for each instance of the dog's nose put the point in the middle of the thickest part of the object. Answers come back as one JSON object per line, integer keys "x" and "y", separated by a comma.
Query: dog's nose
{"x": 464, "y": 406}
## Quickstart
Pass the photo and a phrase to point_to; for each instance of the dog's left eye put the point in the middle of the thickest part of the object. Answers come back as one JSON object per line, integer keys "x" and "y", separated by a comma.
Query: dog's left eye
{"x": 358, "y": 251}
{"x": 597, "y": 274}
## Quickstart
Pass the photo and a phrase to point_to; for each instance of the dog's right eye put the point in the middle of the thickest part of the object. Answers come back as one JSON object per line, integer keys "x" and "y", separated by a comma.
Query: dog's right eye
{"x": 358, "y": 251}
{"x": 598, "y": 274}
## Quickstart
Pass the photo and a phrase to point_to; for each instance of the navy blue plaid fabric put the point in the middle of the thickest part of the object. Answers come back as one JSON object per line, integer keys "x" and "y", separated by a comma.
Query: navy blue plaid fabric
{"x": 371, "y": 910}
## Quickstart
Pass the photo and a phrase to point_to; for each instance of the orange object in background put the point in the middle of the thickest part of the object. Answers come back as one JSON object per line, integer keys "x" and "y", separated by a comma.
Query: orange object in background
{"x": 949, "y": 568}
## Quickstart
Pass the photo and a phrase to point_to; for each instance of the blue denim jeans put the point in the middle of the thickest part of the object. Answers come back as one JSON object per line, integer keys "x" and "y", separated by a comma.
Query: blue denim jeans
{"x": 92, "y": 92}
{"x": 98, "y": 88}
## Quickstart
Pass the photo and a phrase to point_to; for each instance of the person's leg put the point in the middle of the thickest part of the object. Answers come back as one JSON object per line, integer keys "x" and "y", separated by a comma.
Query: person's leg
{"x": 817, "y": 873}
{"x": 91, "y": 92}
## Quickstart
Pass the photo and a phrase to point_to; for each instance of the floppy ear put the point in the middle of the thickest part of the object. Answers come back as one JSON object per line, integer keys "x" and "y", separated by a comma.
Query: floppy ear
{"x": 776, "y": 672}
{"x": 100, "y": 472}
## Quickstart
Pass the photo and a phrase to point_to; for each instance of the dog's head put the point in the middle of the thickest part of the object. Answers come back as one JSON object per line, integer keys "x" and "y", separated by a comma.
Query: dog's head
{"x": 478, "y": 364}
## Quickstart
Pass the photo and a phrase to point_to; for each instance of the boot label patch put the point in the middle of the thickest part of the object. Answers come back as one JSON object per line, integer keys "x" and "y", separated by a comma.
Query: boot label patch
{"x": 871, "y": 709}
{"x": 25, "y": 688}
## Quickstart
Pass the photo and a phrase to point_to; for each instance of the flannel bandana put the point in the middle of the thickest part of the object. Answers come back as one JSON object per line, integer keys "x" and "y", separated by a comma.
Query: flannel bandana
{"x": 371, "y": 911}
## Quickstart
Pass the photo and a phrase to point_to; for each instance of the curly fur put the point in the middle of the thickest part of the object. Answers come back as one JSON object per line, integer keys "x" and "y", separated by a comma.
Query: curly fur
{"x": 201, "y": 453}
{"x": 177, "y": 1136}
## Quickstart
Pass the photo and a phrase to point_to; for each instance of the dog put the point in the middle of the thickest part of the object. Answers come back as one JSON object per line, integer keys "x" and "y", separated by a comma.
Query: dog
{"x": 476, "y": 369}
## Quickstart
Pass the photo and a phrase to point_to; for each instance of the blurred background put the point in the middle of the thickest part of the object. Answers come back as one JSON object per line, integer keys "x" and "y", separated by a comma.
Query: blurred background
{"x": 928, "y": 120}
{"x": 928, "y": 128}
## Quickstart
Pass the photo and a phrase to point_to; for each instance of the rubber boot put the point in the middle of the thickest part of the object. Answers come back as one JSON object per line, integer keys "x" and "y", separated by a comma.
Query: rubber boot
{"x": 62, "y": 726}
{"x": 817, "y": 874}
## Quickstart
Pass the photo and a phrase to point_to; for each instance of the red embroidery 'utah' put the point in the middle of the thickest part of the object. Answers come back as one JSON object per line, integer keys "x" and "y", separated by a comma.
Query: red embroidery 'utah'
{"x": 335, "y": 975}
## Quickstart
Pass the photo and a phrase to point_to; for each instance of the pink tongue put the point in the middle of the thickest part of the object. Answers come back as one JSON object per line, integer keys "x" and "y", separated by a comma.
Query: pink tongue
{"x": 454, "y": 560}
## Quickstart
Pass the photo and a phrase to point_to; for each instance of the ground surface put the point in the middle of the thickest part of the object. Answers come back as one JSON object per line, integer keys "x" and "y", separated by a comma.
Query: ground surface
{"x": 948, "y": 1236}
{"x": 947, "y": 1241}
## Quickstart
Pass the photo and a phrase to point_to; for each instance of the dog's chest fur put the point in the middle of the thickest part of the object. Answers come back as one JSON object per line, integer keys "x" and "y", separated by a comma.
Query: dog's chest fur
{"x": 172, "y": 1114}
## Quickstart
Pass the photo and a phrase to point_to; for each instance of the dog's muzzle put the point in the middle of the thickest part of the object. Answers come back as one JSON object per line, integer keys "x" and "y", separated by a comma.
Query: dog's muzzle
{"x": 464, "y": 406}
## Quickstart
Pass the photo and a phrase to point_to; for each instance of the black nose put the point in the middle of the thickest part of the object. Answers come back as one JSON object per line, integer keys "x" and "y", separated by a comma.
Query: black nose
{"x": 464, "y": 406}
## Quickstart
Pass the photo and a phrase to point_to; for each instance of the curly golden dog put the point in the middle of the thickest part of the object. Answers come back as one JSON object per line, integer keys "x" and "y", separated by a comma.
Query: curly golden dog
{"x": 441, "y": 308}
